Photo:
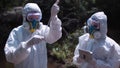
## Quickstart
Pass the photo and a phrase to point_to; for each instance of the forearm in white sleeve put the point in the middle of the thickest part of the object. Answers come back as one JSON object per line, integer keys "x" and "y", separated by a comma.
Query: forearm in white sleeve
{"x": 16, "y": 55}
{"x": 102, "y": 64}
{"x": 113, "y": 59}
{"x": 76, "y": 55}
{"x": 55, "y": 31}
{"x": 75, "y": 60}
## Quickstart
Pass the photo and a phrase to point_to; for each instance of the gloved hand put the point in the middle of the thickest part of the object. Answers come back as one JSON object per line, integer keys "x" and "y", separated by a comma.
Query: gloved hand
{"x": 55, "y": 9}
{"x": 87, "y": 64}
{"x": 80, "y": 60}
{"x": 92, "y": 63}
{"x": 34, "y": 40}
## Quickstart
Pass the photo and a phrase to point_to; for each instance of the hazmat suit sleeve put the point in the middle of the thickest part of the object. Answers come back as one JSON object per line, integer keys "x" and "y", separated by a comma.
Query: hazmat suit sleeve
{"x": 76, "y": 53}
{"x": 113, "y": 59}
{"x": 15, "y": 50}
{"x": 54, "y": 32}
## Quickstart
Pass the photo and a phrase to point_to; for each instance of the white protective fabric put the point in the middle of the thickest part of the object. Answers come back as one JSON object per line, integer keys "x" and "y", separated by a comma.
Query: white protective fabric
{"x": 106, "y": 52}
{"x": 101, "y": 18}
{"x": 35, "y": 56}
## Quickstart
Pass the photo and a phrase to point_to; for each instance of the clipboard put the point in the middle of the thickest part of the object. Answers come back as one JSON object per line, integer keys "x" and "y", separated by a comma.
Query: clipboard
{"x": 86, "y": 55}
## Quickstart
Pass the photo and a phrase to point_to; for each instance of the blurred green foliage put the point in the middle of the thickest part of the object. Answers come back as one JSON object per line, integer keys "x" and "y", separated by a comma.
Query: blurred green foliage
{"x": 64, "y": 49}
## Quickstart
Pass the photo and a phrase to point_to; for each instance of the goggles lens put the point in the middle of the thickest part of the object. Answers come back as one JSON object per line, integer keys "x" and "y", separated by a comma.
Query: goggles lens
{"x": 33, "y": 16}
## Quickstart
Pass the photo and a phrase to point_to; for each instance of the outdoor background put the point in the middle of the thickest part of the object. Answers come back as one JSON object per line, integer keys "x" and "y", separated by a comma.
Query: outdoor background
{"x": 73, "y": 14}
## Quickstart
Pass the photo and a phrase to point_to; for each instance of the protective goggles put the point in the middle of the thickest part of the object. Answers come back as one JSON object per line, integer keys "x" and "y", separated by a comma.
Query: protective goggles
{"x": 34, "y": 16}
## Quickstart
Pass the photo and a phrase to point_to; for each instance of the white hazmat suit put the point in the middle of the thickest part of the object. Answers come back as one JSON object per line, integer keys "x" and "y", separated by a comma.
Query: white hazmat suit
{"x": 27, "y": 49}
{"x": 105, "y": 51}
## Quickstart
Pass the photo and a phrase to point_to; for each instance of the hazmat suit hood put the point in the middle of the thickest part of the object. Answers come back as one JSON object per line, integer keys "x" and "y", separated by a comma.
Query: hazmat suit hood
{"x": 30, "y": 7}
{"x": 100, "y": 18}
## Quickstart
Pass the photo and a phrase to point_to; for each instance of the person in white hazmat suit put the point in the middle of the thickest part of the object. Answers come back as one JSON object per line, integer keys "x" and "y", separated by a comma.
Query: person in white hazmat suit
{"x": 26, "y": 44}
{"x": 105, "y": 51}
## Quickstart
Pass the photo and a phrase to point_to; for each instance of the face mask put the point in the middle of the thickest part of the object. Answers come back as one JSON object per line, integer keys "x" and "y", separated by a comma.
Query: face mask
{"x": 97, "y": 35}
{"x": 33, "y": 25}
{"x": 33, "y": 20}
{"x": 94, "y": 30}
